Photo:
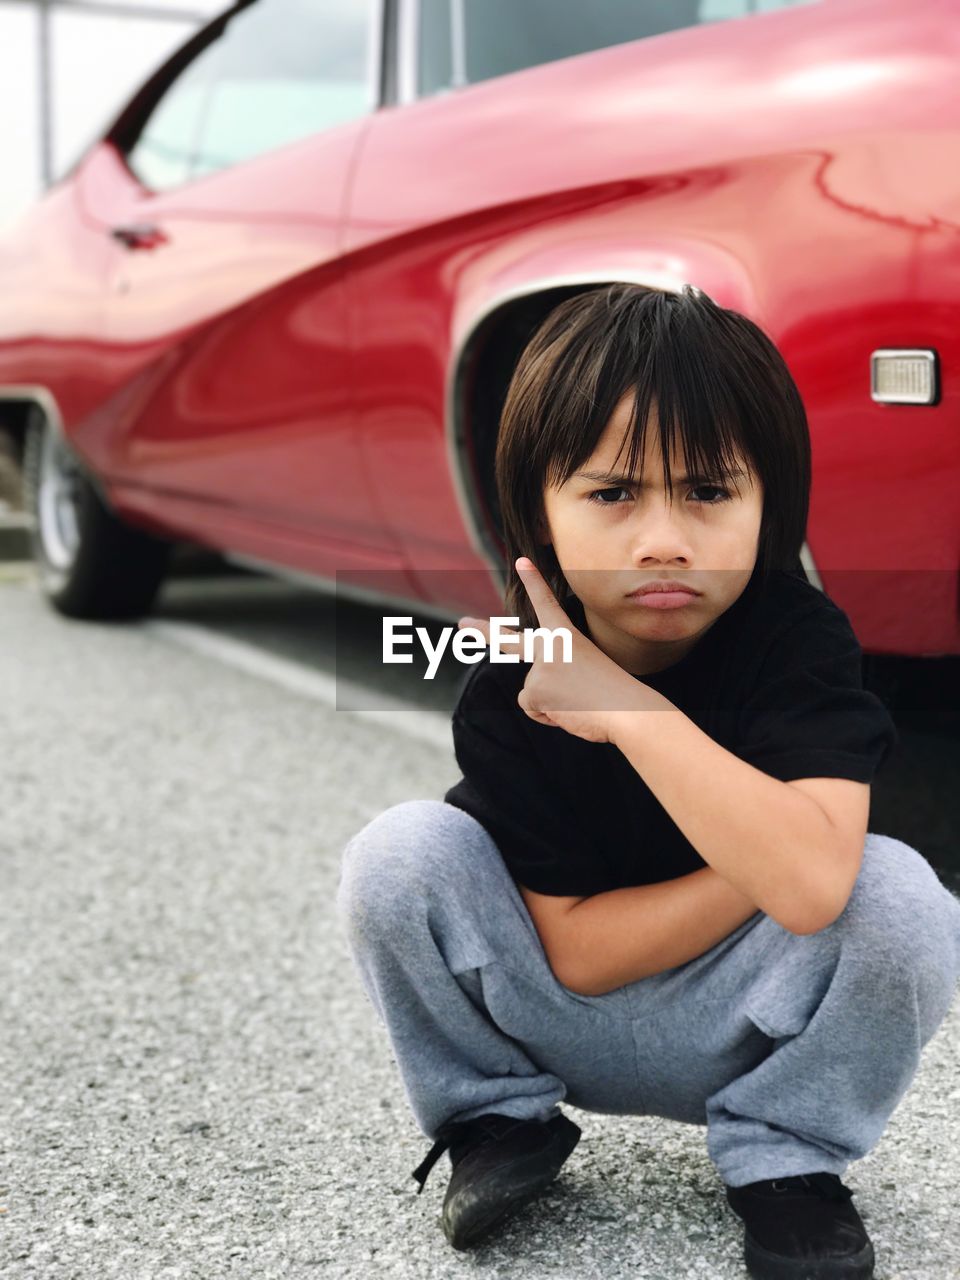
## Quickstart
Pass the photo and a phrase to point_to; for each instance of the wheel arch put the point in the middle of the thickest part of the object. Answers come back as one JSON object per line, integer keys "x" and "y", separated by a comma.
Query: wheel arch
{"x": 18, "y": 401}
{"x": 490, "y": 331}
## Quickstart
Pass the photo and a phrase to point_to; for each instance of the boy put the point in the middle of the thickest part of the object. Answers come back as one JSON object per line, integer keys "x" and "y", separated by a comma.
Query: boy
{"x": 653, "y": 890}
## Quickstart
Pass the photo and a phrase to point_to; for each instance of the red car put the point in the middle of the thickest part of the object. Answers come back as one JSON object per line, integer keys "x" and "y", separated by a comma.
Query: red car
{"x": 275, "y": 309}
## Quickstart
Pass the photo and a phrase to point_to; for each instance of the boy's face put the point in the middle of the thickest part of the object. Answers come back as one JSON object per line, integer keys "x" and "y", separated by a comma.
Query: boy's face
{"x": 611, "y": 538}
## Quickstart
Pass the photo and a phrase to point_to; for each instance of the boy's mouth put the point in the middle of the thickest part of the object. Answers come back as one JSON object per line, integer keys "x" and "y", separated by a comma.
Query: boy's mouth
{"x": 667, "y": 586}
{"x": 662, "y": 599}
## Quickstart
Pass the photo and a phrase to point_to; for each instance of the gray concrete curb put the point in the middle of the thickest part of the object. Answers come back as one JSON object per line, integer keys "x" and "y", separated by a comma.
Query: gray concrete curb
{"x": 15, "y": 528}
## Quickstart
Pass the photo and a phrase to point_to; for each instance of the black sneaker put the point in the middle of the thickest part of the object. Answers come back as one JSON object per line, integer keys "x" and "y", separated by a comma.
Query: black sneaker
{"x": 802, "y": 1228}
{"x": 499, "y": 1164}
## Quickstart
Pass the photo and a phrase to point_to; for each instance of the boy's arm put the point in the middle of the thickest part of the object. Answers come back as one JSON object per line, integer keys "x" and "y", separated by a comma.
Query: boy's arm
{"x": 605, "y": 941}
{"x": 794, "y": 848}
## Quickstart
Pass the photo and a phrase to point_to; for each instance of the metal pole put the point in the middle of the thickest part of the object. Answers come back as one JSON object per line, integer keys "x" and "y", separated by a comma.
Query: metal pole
{"x": 458, "y": 42}
{"x": 43, "y": 88}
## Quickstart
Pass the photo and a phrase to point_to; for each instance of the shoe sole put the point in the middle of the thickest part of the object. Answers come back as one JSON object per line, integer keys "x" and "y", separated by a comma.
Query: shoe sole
{"x": 511, "y": 1199}
{"x": 763, "y": 1265}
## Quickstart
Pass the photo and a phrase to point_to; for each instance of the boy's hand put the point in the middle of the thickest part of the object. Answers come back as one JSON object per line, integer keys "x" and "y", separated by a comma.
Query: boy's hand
{"x": 590, "y": 696}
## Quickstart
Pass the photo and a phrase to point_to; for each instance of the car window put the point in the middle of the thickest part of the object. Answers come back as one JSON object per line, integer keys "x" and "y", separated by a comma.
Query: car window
{"x": 280, "y": 70}
{"x": 163, "y": 153}
{"x": 465, "y": 41}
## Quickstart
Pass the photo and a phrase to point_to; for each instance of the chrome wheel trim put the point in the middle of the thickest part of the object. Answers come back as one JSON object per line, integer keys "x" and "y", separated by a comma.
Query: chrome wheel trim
{"x": 57, "y": 502}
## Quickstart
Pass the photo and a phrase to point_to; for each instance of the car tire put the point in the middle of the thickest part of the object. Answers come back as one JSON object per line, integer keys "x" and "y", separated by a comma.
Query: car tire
{"x": 90, "y": 564}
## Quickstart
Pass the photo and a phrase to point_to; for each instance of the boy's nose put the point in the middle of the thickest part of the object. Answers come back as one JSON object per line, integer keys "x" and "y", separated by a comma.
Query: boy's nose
{"x": 660, "y": 543}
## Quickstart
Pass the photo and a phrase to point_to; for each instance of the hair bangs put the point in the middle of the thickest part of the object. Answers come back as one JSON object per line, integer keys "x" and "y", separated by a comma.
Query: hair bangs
{"x": 707, "y": 379}
{"x": 675, "y": 378}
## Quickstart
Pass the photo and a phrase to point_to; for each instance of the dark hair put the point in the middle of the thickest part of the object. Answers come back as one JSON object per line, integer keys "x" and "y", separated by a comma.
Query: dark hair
{"x": 718, "y": 380}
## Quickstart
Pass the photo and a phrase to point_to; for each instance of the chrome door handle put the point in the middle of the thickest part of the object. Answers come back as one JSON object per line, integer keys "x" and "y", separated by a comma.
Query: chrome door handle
{"x": 140, "y": 236}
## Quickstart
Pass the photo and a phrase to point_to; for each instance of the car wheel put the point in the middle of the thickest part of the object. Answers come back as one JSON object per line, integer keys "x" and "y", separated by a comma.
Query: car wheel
{"x": 90, "y": 563}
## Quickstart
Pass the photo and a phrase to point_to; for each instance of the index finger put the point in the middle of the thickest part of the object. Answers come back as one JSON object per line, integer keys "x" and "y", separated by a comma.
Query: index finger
{"x": 549, "y": 611}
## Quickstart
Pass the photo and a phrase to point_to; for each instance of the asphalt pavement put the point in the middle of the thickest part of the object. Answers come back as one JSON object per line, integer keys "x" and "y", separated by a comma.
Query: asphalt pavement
{"x": 193, "y": 1083}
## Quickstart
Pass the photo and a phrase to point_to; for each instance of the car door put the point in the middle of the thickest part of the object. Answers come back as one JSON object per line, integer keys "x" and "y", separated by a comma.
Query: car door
{"x": 226, "y": 319}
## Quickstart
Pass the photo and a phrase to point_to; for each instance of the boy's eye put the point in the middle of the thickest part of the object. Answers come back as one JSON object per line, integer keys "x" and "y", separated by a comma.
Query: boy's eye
{"x": 712, "y": 488}
{"x": 599, "y": 495}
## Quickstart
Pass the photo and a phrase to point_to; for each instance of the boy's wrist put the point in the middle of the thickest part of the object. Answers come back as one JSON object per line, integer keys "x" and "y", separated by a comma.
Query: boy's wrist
{"x": 625, "y": 724}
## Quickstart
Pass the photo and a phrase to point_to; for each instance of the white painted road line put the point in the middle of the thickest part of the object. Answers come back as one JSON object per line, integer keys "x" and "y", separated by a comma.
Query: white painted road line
{"x": 430, "y": 727}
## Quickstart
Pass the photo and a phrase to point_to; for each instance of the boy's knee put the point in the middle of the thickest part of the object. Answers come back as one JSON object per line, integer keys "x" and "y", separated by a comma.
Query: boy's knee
{"x": 897, "y": 886}
{"x": 386, "y": 865}
{"x": 905, "y": 917}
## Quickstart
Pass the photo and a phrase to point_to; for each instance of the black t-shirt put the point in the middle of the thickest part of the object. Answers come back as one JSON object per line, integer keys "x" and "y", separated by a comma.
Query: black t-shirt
{"x": 777, "y": 680}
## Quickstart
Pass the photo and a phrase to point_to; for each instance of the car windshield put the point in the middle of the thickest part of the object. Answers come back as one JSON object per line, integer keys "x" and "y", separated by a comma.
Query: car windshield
{"x": 465, "y": 41}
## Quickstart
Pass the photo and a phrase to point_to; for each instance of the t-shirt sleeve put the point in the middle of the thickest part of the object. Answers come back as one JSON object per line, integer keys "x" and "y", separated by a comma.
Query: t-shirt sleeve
{"x": 510, "y": 791}
{"x": 810, "y": 715}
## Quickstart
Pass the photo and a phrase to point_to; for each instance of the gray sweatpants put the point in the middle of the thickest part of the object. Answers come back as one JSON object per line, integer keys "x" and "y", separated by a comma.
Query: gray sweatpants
{"x": 792, "y": 1049}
